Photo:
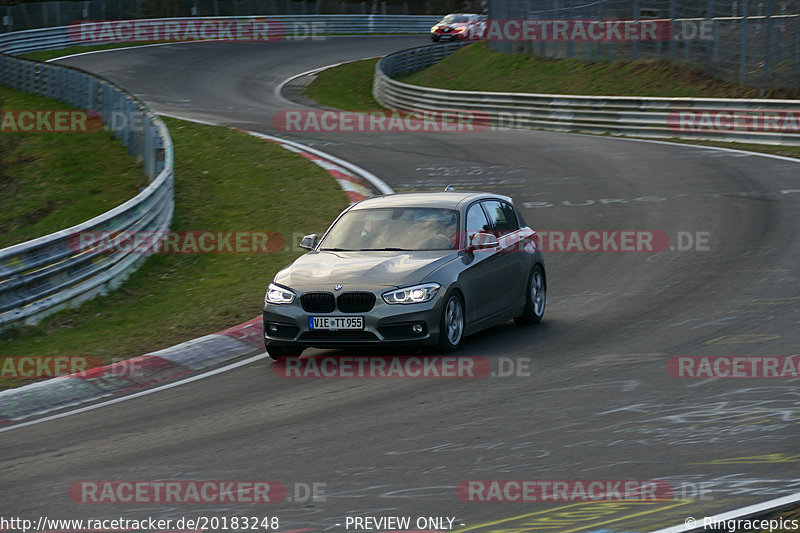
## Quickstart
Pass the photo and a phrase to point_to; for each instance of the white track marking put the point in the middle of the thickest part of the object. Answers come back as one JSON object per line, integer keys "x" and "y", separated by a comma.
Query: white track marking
{"x": 732, "y": 515}
{"x": 138, "y": 394}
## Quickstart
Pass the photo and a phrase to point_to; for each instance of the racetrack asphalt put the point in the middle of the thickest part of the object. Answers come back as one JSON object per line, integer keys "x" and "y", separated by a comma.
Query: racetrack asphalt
{"x": 590, "y": 397}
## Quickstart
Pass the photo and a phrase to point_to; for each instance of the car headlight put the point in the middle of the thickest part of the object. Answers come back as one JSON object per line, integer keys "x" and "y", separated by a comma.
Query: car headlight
{"x": 433, "y": 28}
{"x": 278, "y": 295}
{"x": 412, "y": 295}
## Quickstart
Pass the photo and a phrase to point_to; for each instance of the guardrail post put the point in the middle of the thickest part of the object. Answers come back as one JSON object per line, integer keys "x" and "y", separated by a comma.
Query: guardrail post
{"x": 672, "y": 42}
{"x": 636, "y": 16}
{"x": 797, "y": 50}
{"x": 570, "y": 44}
{"x": 687, "y": 47}
{"x": 159, "y": 153}
{"x": 553, "y": 18}
{"x": 743, "y": 50}
{"x": 610, "y": 46}
{"x": 779, "y": 34}
{"x": 712, "y": 49}
{"x": 768, "y": 45}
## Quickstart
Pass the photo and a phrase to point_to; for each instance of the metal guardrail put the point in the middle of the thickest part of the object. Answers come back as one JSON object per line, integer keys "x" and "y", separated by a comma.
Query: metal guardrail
{"x": 617, "y": 115}
{"x": 32, "y": 15}
{"x": 288, "y": 26}
{"x": 44, "y": 275}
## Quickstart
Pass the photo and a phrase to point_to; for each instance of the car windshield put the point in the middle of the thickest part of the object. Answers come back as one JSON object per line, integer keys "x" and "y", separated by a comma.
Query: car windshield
{"x": 394, "y": 229}
{"x": 452, "y": 19}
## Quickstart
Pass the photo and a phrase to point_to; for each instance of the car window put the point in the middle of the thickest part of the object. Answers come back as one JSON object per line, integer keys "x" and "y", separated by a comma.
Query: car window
{"x": 397, "y": 228}
{"x": 501, "y": 216}
{"x": 476, "y": 222}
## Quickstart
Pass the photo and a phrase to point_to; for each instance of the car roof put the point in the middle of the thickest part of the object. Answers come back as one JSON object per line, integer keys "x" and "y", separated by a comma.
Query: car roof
{"x": 443, "y": 200}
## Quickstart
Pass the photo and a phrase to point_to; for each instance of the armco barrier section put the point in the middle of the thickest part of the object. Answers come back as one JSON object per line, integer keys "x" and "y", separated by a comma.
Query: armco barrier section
{"x": 278, "y": 26}
{"x": 43, "y": 275}
{"x": 52, "y": 272}
{"x": 689, "y": 118}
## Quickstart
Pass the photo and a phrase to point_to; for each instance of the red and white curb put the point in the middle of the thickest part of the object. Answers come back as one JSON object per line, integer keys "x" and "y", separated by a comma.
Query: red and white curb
{"x": 188, "y": 357}
{"x": 133, "y": 374}
{"x": 355, "y": 186}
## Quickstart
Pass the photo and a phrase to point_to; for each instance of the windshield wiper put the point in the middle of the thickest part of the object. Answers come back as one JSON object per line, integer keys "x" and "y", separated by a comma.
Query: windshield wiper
{"x": 385, "y": 250}
{"x": 335, "y": 250}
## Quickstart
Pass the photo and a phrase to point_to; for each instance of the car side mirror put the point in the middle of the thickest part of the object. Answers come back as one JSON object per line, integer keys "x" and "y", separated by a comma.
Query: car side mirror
{"x": 483, "y": 241}
{"x": 309, "y": 242}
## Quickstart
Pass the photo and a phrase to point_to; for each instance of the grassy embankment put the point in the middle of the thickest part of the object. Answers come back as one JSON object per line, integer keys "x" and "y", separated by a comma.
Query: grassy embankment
{"x": 478, "y": 68}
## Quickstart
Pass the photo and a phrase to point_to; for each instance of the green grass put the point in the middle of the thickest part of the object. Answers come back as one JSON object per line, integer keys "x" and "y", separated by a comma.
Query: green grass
{"x": 224, "y": 180}
{"x": 347, "y": 86}
{"x": 44, "y": 55}
{"x": 479, "y": 68}
{"x": 53, "y": 180}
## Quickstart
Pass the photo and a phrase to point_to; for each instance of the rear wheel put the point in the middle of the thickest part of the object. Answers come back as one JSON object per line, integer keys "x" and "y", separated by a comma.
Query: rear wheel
{"x": 535, "y": 298}
{"x": 451, "y": 326}
{"x": 277, "y": 352}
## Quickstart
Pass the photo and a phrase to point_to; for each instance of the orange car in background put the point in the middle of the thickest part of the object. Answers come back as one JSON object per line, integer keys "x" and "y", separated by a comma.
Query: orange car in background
{"x": 459, "y": 27}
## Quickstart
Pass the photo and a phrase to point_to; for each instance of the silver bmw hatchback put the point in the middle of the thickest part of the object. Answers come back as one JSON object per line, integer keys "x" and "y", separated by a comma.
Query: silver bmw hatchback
{"x": 415, "y": 268}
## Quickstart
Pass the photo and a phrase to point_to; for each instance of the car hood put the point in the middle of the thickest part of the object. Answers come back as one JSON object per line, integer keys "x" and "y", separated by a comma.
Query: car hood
{"x": 322, "y": 270}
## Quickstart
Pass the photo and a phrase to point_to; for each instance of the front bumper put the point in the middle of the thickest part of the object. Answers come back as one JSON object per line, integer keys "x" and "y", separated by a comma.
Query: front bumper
{"x": 452, "y": 36}
{"x": 288, "y": 325}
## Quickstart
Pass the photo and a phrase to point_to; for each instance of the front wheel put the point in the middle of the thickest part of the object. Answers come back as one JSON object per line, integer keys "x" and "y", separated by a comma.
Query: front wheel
{"x": 277, "y": 352}
{"x": 535, "y": 298}
{"x": 451, "y": 326}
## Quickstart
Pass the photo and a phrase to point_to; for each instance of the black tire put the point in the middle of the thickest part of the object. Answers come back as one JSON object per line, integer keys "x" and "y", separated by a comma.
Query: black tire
{"x": 535, "y": 297}
{"x": 452, "y": 322}
{"x": 277, "y": 352}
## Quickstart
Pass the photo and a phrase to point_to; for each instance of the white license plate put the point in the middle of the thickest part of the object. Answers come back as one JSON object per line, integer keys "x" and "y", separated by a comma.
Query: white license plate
{"x": 335, "y": 322}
